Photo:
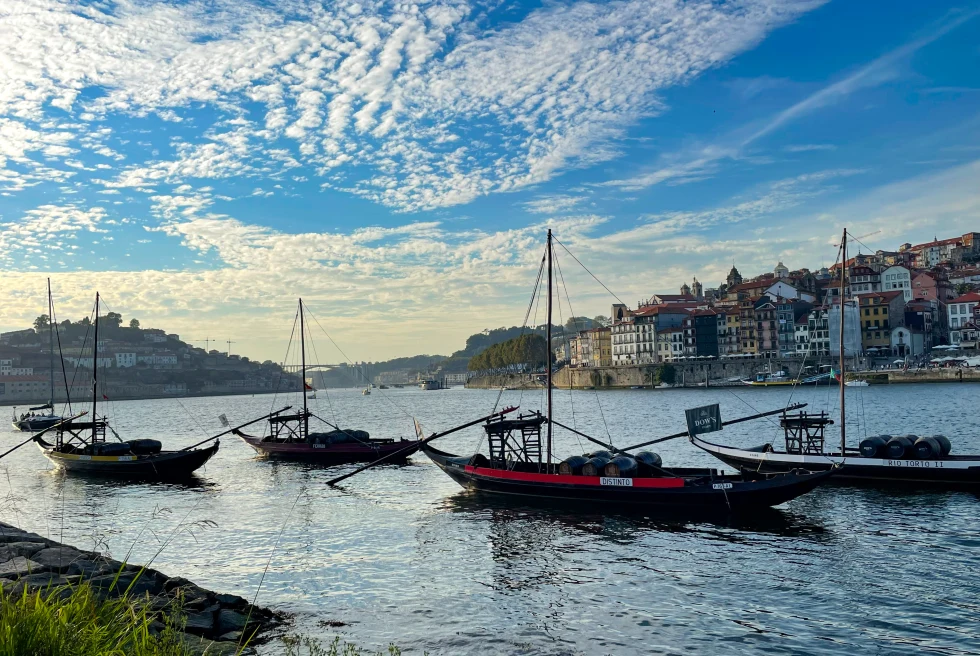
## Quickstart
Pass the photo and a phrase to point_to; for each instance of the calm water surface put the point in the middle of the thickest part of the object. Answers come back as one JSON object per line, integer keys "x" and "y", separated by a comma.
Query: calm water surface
{"x": 401, "y": 554}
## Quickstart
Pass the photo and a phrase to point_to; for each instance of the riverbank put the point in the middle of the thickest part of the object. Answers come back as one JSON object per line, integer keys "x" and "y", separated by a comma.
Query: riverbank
{"x": 213, "y": 623}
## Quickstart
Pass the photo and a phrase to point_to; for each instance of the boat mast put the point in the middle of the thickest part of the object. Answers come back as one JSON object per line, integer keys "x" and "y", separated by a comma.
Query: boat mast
{"x": 51, "y": 347}
{"x": 95, "y": 368}
{"x": 843, "y": 275}
{"x": 548, "y": 355}
{"x": 302, "y": 387}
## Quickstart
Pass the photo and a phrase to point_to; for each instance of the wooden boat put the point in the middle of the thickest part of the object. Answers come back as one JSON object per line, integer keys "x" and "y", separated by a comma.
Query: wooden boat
{"x": 132, "y": 462}
{"x": 80, "y": 446}
{"x": 671, "y": 488}
{"x": 290, "y": 438}
{"x": 521, "y": 464}
{"x": 879, "y": 460}
{"x": 30, "y": 421}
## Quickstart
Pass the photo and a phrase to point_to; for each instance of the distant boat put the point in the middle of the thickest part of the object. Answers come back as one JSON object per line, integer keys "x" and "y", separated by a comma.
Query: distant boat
{"x": 429, "y": 384}
{"x": 637, "y": 387}
{"x": 290, "y": 437}
{"x": 856, "y": 383}
{"x": 30, "y": 421}
{"x": 382, "y": 387}
{"x": 81, "y": 447}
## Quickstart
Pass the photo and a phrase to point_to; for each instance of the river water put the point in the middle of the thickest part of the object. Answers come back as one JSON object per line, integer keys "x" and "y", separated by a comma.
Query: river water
{"x": 401, "y": 554}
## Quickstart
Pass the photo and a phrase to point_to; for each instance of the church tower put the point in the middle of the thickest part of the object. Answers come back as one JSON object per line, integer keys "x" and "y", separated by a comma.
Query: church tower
{"x": 734, "y": 277}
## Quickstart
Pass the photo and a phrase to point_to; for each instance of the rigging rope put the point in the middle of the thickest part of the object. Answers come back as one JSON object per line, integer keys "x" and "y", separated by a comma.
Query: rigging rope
{"x": 587, "y": 270}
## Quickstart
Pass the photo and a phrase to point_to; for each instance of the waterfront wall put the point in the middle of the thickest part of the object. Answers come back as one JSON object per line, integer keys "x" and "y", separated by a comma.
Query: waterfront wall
{"x": 690, "y": 373}
{"x": 510, "y": 381}
{"x": 687, "y": 373}
{"x": 952, "y": 375}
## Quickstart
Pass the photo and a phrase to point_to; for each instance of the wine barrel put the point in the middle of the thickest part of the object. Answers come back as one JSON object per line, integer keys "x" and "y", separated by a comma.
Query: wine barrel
{"x": 107, "y": 449}
{"x": 620, "y": 467}
{"x": 649, "y": 462}
{"x": 572, "y": 466}
{"x": 594, "y": 466}
{"x": 873, "y": 447}
{"x": 600, "y": 454}
{"x": 927, "y": 448}
{"x": 145, "y": 447}
{"x": 944, "y": 443}
{"x": 898, "y": 447}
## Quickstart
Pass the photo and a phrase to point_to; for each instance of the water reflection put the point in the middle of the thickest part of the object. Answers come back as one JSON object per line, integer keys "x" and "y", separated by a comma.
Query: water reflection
{"x": 625, "y": 525}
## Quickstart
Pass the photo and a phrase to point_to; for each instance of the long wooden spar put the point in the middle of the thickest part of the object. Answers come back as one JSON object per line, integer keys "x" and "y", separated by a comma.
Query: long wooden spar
{"x": 416, "y": 445}
{"x": 795, "y": 406}
{"x": 232, "y": 430}
{"x": 625, "y": 449}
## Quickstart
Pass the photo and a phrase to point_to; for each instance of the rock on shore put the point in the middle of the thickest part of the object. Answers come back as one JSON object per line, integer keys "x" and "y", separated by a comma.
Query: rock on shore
{"x": 214, "y": 622}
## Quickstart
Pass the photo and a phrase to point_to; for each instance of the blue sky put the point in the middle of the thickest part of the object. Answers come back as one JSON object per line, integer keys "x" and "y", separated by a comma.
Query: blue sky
{"x": 202, "y": 164}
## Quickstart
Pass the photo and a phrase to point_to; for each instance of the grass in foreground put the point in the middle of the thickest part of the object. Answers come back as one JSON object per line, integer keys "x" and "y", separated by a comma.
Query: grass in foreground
{"x": 74, "y": 621}
{"x": 307, "y": 646}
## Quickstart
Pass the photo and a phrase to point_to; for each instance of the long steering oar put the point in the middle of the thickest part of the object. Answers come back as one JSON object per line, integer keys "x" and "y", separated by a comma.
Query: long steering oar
{"x": 795, "y": 406}
{"x": 232, "y": 430}
{"x": 416, "y": 445}
{"x": 34, "y": 437}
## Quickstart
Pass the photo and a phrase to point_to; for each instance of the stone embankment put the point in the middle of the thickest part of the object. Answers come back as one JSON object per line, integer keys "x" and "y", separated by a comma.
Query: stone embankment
{"x": 508, "y": 381}
{"x": 215, "y": 623}
{"x": 951, "y": 375}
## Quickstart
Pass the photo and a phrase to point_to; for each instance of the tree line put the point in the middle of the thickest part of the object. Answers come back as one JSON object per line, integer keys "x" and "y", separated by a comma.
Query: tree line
{"x": 520, "y": 353}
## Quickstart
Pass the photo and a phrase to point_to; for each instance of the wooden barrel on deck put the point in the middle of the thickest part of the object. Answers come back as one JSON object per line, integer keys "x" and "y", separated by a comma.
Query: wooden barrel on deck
{"x": 874, "y": 446}
{"x": 620, "y": 467}
{"x": 927, "y": 448}
{"x": 594, "y": 466}
{"x": 944, "y": 443}
{"x": 899, "y": 446}
{"x": 572, "y": 466}
{"x": 649, "y": 463}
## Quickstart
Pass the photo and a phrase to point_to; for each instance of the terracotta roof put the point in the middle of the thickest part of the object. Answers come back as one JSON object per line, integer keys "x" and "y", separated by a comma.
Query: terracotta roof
{"x": 674, "y": 297}
{"x": 972, "y": 297}
{"x": 941, "y": 242}
{"x": 886, "y": 296}
{"x": 673, "y": 308}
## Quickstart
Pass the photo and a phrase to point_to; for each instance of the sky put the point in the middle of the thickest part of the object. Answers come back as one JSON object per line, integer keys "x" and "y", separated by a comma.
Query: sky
{"x": 203, "y": 164}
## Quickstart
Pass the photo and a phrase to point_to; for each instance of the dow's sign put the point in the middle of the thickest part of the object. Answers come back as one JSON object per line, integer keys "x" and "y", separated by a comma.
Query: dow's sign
{"x": 705, "y": 419}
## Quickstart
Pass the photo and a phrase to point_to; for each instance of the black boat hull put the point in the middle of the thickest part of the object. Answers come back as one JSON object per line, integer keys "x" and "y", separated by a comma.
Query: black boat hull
{"x": 719, "y": 494}
{"x": 35, "y": 424}
{"x": 167, "y": 465}
{"x": 334, "y": 454}
{"x": 951, "y": 472}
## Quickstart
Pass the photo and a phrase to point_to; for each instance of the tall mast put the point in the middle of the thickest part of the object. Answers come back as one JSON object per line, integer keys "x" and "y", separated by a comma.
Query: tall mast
{"x": 95, "y": 368}
{"x": 548, "y": 355}
{"x": 302, "y": 349}
{"x": 51, "y": 346}
{"x": 843, "y": 276}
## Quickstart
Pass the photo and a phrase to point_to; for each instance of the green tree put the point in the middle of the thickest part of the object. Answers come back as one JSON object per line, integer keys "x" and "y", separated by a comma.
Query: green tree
{"x": 41, "y": 323}
{"x": 134, "y": 323}
{"x": 113, "y": 319}
{"x": 666, "y": 374}
{"x": 85, "y": 322}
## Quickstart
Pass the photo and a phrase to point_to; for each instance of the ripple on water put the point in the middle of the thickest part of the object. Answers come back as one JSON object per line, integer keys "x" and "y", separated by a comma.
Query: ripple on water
{"x": 401, "y": 554}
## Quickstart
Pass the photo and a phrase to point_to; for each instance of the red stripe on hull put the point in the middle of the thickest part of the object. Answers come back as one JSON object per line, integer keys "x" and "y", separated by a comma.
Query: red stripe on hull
{"x": 586, "y": 481}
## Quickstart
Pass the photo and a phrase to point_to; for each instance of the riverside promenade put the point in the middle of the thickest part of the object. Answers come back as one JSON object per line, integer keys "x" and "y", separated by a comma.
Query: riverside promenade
{"x": 214, "y": 623}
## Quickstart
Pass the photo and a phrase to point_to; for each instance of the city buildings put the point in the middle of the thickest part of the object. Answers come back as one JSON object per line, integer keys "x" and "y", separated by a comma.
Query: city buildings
{"x": 900, "y": 303}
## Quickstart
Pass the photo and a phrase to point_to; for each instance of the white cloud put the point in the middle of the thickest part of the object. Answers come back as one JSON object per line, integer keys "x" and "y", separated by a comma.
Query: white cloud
{"x": 553, "y": 204}
{"x": 439, "y": 109}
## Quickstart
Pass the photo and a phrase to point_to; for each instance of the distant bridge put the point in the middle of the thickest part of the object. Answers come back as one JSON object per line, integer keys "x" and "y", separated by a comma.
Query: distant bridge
{"x": 311, "y": 367}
